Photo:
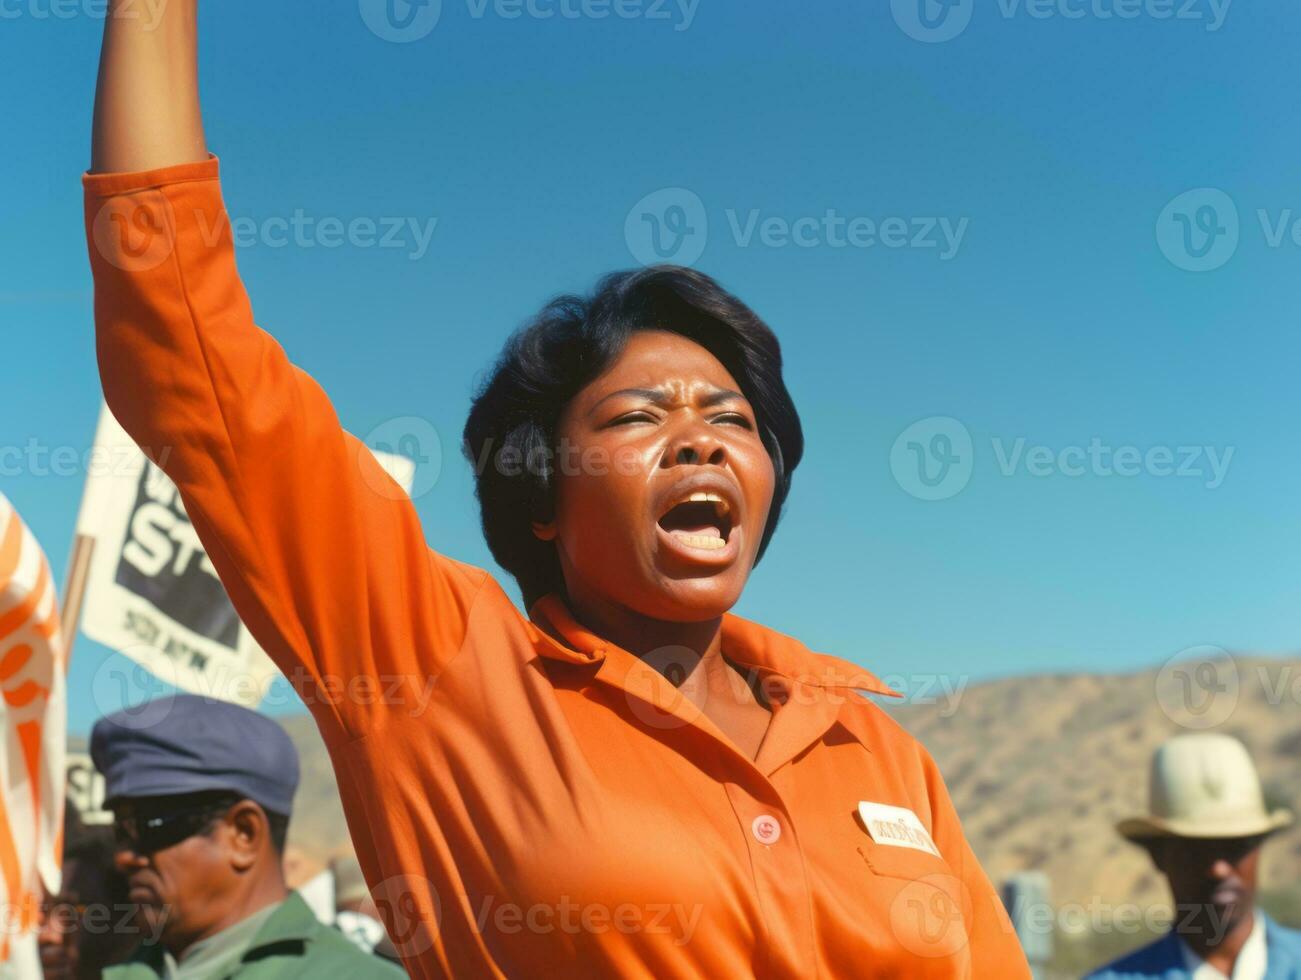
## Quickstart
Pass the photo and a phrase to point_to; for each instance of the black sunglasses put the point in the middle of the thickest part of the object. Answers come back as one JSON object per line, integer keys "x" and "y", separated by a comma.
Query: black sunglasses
{"x": 150, "y": 831}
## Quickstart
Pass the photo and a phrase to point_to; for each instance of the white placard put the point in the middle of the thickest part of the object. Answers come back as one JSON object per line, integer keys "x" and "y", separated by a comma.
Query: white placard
{"x": 152, "y": 593}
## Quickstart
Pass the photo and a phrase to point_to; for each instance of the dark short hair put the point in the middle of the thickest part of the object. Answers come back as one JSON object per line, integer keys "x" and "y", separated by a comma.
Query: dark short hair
{"x": 551, "y": 358}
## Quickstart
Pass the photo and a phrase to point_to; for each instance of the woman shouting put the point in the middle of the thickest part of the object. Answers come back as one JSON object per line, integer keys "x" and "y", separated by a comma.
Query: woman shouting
{"x": 628, "y": 781}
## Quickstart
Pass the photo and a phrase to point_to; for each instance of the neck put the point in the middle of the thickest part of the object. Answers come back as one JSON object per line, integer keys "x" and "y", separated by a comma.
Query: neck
{"x": 644, "y": 636}
{"x": 688, "y": 654}
{"x": 245, "y": 901}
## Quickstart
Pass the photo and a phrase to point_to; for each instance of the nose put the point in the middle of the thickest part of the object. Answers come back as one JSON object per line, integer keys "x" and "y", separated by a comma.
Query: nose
{"x": 695, "y": 443}
{"x": 128, "y": 860}
{"x": 1221, "y": 868}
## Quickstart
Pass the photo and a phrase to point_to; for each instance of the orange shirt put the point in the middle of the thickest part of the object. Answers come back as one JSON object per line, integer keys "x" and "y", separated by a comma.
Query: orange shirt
{"x": 526, "y": 799}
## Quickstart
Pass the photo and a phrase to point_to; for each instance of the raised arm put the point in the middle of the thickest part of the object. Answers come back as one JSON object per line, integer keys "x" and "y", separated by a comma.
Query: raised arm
{"x": 322, "y": 554}
{"x": 147, "y": 104}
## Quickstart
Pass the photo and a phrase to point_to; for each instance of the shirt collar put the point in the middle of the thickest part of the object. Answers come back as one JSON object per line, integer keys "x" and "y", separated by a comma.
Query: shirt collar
{"x": 807, "y": 690}
{"x": 1252, "y": 961}
{"x": 290, "y": 921}
{"x": 745, "y": 642}
{"x": 293, "y": 921}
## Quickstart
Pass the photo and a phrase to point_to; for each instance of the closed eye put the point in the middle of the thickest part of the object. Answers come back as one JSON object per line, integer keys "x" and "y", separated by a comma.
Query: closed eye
{"x": 732, "y": 418}
{"x": 634, "y": 417}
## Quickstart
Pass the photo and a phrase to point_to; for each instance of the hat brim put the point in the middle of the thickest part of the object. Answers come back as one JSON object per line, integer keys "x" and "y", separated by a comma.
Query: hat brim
{"x": 1144, "y": 828}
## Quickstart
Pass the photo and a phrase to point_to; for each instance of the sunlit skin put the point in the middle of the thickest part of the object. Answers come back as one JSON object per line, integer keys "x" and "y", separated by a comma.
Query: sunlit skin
{"x": 625, "y": 451}
{"x": 1213, "y": 882}
{"x": 205, "y": 883}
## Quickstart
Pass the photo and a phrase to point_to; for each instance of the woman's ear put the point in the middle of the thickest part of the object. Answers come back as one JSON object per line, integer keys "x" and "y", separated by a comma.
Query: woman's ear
{"x": 544, "y": 520}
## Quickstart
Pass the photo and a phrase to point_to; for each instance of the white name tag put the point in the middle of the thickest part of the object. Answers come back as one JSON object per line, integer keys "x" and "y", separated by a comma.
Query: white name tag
{"x": 896, "y": 826}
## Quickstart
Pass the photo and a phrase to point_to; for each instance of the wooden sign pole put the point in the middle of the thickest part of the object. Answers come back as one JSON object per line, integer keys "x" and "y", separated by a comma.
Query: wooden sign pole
{"x": 74, "y": 591}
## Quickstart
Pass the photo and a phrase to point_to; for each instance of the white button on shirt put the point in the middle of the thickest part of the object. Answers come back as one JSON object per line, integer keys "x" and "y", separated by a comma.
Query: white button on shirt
{"x": 1250, "y": 964}
{"x": 766, "y": 829}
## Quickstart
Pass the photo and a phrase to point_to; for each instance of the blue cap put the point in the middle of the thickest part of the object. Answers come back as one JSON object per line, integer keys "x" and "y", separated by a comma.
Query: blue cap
{"x": 190, "y": 744}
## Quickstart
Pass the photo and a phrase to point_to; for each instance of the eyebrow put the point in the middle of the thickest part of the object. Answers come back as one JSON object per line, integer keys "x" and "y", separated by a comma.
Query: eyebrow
{"x": 659, "y": 397}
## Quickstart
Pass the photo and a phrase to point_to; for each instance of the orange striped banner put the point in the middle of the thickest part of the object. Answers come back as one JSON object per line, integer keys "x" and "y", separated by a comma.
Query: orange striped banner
{"x": 33, "y": 725}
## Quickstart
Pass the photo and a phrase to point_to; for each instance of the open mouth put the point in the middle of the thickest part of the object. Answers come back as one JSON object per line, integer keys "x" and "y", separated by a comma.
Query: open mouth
{"x": 704, "y": 521}
{"x": 1225, "y": 894}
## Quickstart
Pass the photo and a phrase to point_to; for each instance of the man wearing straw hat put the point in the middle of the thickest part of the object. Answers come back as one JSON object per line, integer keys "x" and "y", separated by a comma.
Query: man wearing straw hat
{"x": 1207, "y": 823}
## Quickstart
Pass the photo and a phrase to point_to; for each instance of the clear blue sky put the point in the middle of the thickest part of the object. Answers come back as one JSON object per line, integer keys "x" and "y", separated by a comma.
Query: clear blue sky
{"x": 1056, "y": 320}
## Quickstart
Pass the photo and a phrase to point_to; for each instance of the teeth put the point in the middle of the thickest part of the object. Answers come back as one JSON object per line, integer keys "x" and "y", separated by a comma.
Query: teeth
{"x": 706, "y": 541}
{"x": 702, "y": 496}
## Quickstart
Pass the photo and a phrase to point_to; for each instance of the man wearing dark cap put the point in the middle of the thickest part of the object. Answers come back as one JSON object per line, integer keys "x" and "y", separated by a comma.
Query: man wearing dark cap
{"x": 201, "y": 793}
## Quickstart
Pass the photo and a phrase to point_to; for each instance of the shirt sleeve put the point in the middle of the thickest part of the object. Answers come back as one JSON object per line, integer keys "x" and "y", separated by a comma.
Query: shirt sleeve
{"x": 321, "y": 552}
{"x": 995, "y": 949}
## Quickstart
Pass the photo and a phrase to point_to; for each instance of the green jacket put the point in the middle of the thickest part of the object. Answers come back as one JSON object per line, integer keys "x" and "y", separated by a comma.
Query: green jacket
{"x": 291, "y": 943}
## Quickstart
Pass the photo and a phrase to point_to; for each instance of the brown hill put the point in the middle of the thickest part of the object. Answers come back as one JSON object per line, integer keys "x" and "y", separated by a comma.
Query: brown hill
{"x": 1041, "y": 768}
